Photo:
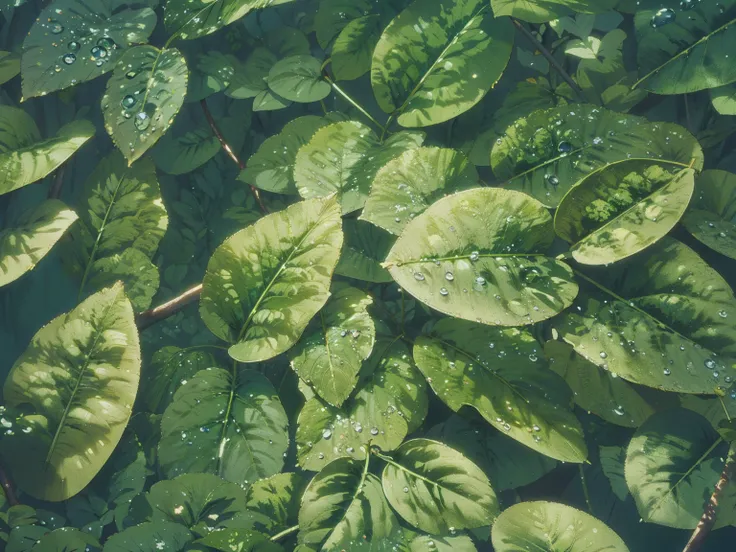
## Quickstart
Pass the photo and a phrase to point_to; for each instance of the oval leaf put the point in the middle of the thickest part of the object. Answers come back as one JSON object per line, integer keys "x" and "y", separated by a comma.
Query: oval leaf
{"x": 551, "y": 527}
{"x": 150, "y": 537}
{"x": 711, "y": 217}
{"x": 437, "y": 489}
{"x": 299, "y": 79}
{"x": 91, "y": 360}
{"x": 30, "y": 238}
{"x": 353, "y": 48}
{"x": 143, "y": 96}
{"x": 265, "y": 283}
{"x": 479, "y": 255}
{"x": 438, "y": 58}
{"x": 502, "y": 374}
{"x": 623, "y": 208}
{"x": 190, "y": 19}
{"x": 365, "y": 248}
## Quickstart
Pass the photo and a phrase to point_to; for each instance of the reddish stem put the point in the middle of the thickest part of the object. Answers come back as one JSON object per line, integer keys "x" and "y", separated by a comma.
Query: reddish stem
{"x": 151, "y": 316}
{"x": 7, "y": 486}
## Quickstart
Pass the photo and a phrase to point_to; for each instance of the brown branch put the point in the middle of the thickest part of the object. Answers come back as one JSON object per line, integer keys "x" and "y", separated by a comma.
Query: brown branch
{"x": 151, "y": 316}
{"x": 55, "y": 189}
{"x": 547, "y": 54}
{"x": 230, "y": 152}
{"x": 708, "y": 519}
{"x": 7, "y": 486}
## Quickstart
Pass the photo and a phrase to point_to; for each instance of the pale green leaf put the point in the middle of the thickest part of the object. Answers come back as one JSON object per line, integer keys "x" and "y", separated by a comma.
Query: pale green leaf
{"x": 502, "y": 374}
{"x": 298, "y": 79}
{"x": 438, "y": 58}
{"x": 622, "y": 209}
{"x": 660, "y": 319}
{"x": 344, "y": 503}
{"x": 406, "y": 186}
{"x": 545, "y": 153}
{"x": 391, "y": 402}
{"x": 437, "y": 489}
{"x": 686, "y": 50}
{"x": 265, "y": 283}
{"x": 711, "y": 217}
{"x": 724, "y": 99}
{"x": 274, "y": 502}
{"x": 79, "y": 376}
{"x": 31, "y": 237}
{"x": 365, "y": 248}
{"x": 75, "y": 41}
{"x": 332, "y": 350}
{"x": 9, "y": 66}
{"x": 150, "y": 537}
{"x": 552, "y": 527}
{"x": 480, "y": 255}
{"x": 586, "y": 48}
{"x": 541, "y": 11}
{"x": 143, "y": 96}
{"x": 190, "y": 19}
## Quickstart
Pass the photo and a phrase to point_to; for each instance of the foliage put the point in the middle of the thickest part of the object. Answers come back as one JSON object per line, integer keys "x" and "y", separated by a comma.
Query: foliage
{"x": 462, "y": 274}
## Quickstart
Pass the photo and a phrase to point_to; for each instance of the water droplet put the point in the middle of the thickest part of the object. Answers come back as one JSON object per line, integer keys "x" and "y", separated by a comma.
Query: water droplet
{"x": 552, "y": 179}
{"x": 564, "y": 147}
{"x": 449, "y": 276}
{"x": 619, "y": 410}
{"x": 358, "y": 427}
{"x": 667, "y": 371}
{"x": 107, "y": 43}
{"x": 98, "y": 53}
{"x": 533, "y": 357}
{"x": 603, "y": 354}
{"x": 723, "y": 314}
{"x": 374, "y": 431}
{"x": 55, "y": 27}
{"x": 128, "y": 101}
{"x": 406, "y": 489}
{"x": 73, "y": 46}
{"x": 142, "y": 121}
{"x": 130, "y": 75}
{"x": 474, "y": 256}
{"x": 710, "y": 363}
{"x": 327, "y": 433}
{"x": 663, "y": 17}
{"x": 419, "y": 277}
{"x": 69, "y": 58}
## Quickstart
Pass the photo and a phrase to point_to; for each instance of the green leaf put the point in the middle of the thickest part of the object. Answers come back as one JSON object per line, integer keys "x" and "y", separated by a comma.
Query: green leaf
{"x": 502, "y": 374}
{"x": 623, "y": 208}
{"x": 271, "y": 168}
{"x": 167, "y": 370}
{"x": 724, "y": 99}
{"x": 9, "y": 66}
{"x": 438, "y": 58}
{"x": 406, "y": 186}
{"x": 240, "y": 540}
{"x": 365, "y": 248}
{"x": 334, "y": 15}
{"x": 505, "y": 461}
{"x": 390, "y": 402}
{"x": 597, "y": 391}
{"x": 212, "y": 74}
{"x": 275, "y": 501}
{"x": 120, "y": 228}
{"x": 265, "y": 283}
{"x": 711, "y": 217}
{"x": 237, "y": 414}
{"x": 190, "y": 19}
{"x": 541, "y": 11}
{"x": 479, "y": 255}
{"x": 150, "y": 537}
{"x": 688, "y": 50}
{"x": 25, "y": 158}
{"x": 660, "y": 320}
{"x": 67, "y": 539}
{"x": 551, "y": 527}
{"x": 545, "y": 153}
{"x": 143, "y": 96}
{"x": 90, "y": 361}
{"x": 330, "y": 354}
{"x": 353, "y": 50}
{"x": 613, "y": 461}
{"x": 73, "y": 42}
{"x": 344, "y": 503}
{"x": 201, "y": 502}
{"x": 437, "y": 489}
{"x": 31, "y": 237}
{"x": 672, "y": 465}
{"x": 298, "y": 79}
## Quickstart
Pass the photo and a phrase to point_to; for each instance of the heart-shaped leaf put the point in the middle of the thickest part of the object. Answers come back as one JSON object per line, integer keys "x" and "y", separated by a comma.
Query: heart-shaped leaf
{"x": 75, "y": 41}
{"x": 438, "y": 58}
{"x": 31, "y": 237}
{"x": 503, "y": 375}
{"x": 437, "y": 489}
{"x": 480, "y": 255}
{"x": 623, "y": 208}
{"x": 143, "y": 96}
{"x": 90, "y": 358}
{"x": 265, "y": 283}
{"x": 711, "y": 217}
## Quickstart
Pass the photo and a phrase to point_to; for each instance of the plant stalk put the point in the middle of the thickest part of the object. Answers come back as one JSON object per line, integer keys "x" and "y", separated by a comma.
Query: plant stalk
{"x": 708, "y": 519}
{"x": 230, "y": 152}
{"x": 355, "y": 104}
{"x": 548, "y": 55}
{"x": 151, "y": 316}
{"x": 285, "y": 533}
{"x": 7, "y": 486}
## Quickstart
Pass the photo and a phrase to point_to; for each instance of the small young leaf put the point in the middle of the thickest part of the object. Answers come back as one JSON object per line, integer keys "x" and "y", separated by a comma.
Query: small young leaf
{"x": 365, "y": 248}
{"x": 143, "y": 96}
{"x": 724, "y": 99}
{"x": 353, "y": 49}
{"x": 711, "y": 218}
{"x": 437, "y": 489}
{"x": 265, "y": 283}
{"x": 298, "y": 79}
{"x": 480, "y": 255}
{"x": 92, "y": 360}
{"x": 28, "y": 241}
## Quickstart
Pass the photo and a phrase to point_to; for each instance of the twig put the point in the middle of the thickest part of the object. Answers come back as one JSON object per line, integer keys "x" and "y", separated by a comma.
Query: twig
{"x": 7, "y": 486}
{"x": 285, "y": 533}
{"x": 708, "y": 519}
{"x": 151, "y": 316}
{"x": 55, "y": 189}
{"x": 552, "y": 61}
{"x": 230, "y": 152}
{"x": 352, "y": 102}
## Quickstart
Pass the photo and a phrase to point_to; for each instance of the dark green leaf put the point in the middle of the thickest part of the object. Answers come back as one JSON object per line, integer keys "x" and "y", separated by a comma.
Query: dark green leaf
{"x": 711, "y": 217}
{"x": 540, "y": 11}
{"x": 150, "y": 537}
{"x": 191, "y": 19}
{"x": 353, "y": 49}
{"x": 365, "y": 248}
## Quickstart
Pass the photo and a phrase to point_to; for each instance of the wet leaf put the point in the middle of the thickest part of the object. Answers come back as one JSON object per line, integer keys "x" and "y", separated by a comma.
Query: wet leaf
{"x": 298, "y": 79}
{"x": 365, "y": 248}
{"x": 711, "y": 217}
{"x": 151, "y": 537}
{"x": 191, "y": 19}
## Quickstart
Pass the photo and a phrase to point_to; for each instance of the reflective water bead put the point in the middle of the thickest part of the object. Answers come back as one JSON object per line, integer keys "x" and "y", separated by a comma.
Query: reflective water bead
{"x": 663, "y": 17}
{"x": 74, "y": 46}
{"x": 327, "y": 433}
{"x": 107, "y": 43}
{"x": 474, "y": 256}
{"x": 69, "y": 58}
{"x": 142, "y": 121}
{"x": 98, "y": 53}
{"x": 444, "y": 292}
{"x": 449, "y": 276}
{"x": 55, "y": 27}
{"x": 418, "y": 276}
{"x": 564, "y": 147}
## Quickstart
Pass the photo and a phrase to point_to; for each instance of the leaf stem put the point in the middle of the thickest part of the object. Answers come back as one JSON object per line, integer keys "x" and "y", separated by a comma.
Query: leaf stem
{"x": 285, "y": 533}
{"x": 171, "y": 307}
{"x": 355, "y": 104}
{"x": 230, "y": 152}
{"x": 585, "y": 489}
{"x": 548, "y": 55}
{"x": 7, "y": 486}
{"x": 708, "y": 519}
{"x": 56, "y": 185}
